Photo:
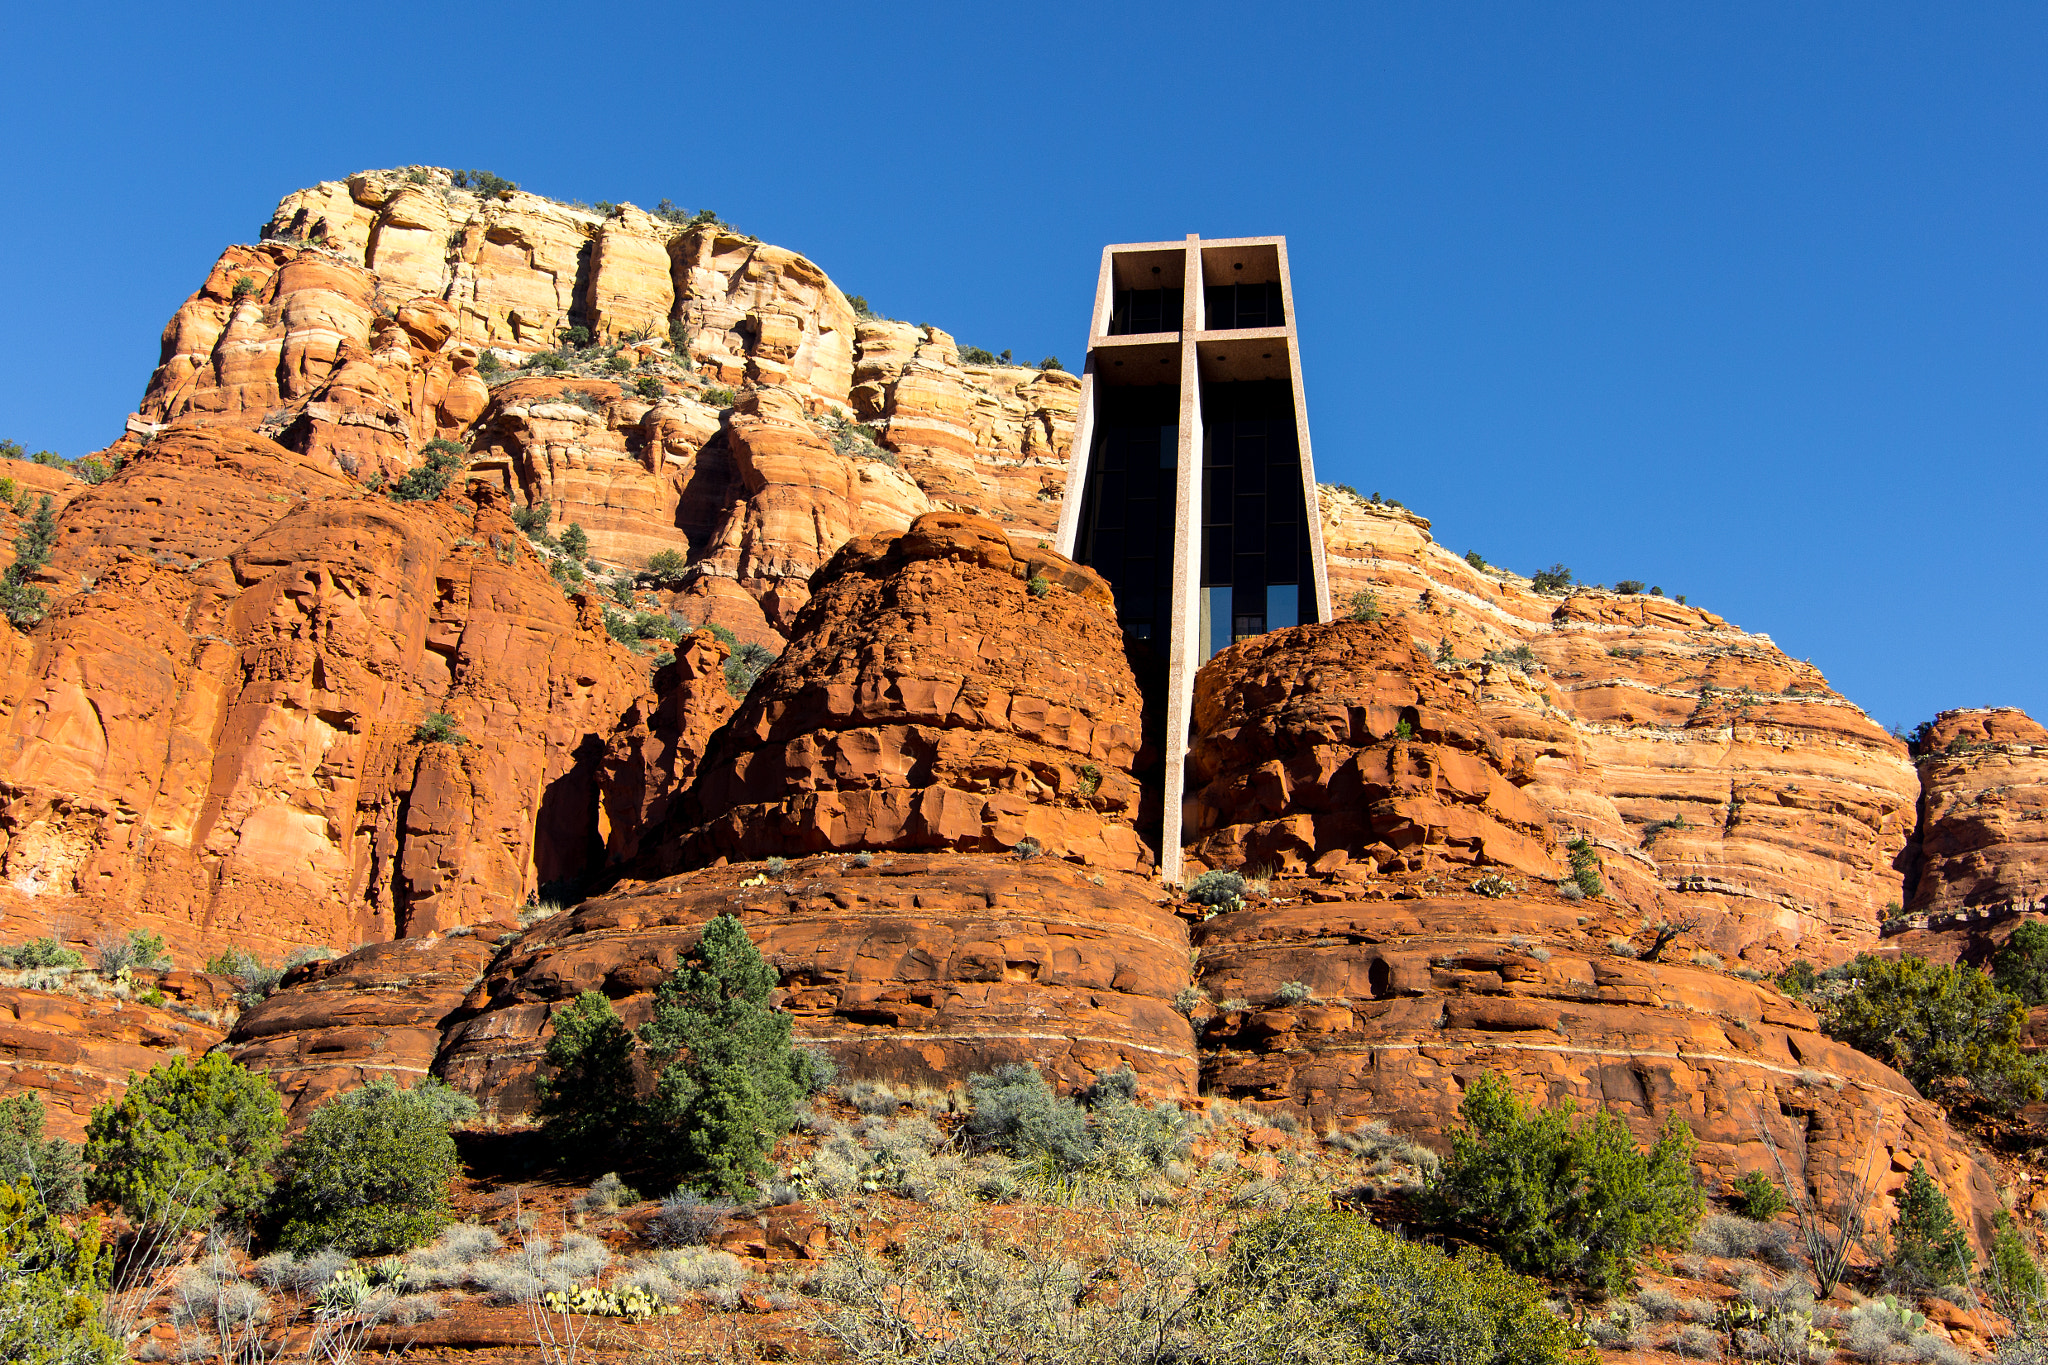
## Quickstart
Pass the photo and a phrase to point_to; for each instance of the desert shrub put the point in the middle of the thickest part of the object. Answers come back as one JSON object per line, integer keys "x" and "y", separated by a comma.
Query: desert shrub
{"x": 134, "y": 950}
{"x": 1051, "y": 362}
{"x": 533, "y": 519}
{"x": 975, "y": 355}
{"x": 448, "y": 1262}
{"x": 92, "y": 469}
{"x": 429, "y": 479}
{"x": 607, "y": 1194}
{"x": 1363, "y": 605}
{"x": 650, "y": 388}
{"x": 1928, "y": 1248}
{"x": 245, "y": 285}
{"x": 1946, "y": 1026}
{"x": 568, "y": 573}
{"x": 575, "y": 541}
{"x": 367, "y": 1175}
{"x": 681, "y": 1273}
{"x": 746, "y": 665}
{"x": 720, "y": 398}
{"x": 1563, "y": 1198}
{"x": 21, "y": 601}
{"x": 52, "y": 1285}
{"x": 41, "y": 952}
{"x": 1555, "y": 579}
{"x": 51, "y": 1165}
{"x": 2020, "y": 966}
{"x": 1742, "y": 1239}
{"x": 1629, "y": 585}
{"x": 1328, "y": 1285}
{"x": 1585, "y": 864}
{"x": 188, "y": 1141}
{"x": 667, "y": 568}
{"x": 1014, "y": 1110}
{"x": 1038, "y": 585}
{"x": 2013, "y": 1277}
{"x": 438, "y": 727}
{"x": 727, "y": 1079}
{"x": 589, "y": 1104}
{"x": 484, "y": 183}
{"x": 1189, "y": 999}
{"x": 488, "y": 364}
{"x": 1757, "y": 1197}
{"x": 1217, "y": 888}
{"x": 687, "y": 1219}
{"x": 816, "y": 1070}
{"x": 1292, "y": 993}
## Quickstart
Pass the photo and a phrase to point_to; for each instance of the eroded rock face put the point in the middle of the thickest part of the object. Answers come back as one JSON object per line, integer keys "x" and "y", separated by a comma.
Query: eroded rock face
{"x": 1322, "y": 743}
{"x": 76, "y": 1053}
{"x": 1717, "y": 777}
{"x": 917, "y": 967}
{"x": 216, "y": 737}
{"x": 1983, "y": 813}
{"x": 931, "y": 699}
{"x": 1411, "y": 999}
{"x": 378, "y": 1011}
{"x": 653, "y": 753}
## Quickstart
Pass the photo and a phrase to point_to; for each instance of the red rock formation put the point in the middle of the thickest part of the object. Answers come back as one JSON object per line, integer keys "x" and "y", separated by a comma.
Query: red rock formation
{"x": 931, "y": 699}
{"x": 1411, "y": 999}
{"x": 378, "y": 1011}
{"x": 1322, "y": 743}
{"x": 1716, "y": 776}
{"x": 214, "y": 735}
{"x": 77, "y": 1053}
{"x": 916, "y": 967}
{"x": 1983, "y": 812}
{"x": 654, "y": 750}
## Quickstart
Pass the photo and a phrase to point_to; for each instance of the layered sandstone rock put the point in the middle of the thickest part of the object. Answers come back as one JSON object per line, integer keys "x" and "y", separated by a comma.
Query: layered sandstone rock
{"x": 913, "y": 967}
{"x": 1411, "y": 999}
{"x": 339, "y": 1024}
{"x": 213, "y": 732}
{"x": 652, "y": 755}
{"x": 1322, "y": 743}
{"x": 784, "y": 498}
{"x": 1983, "y": 813}
{"x": 939, "y": 692}
{"x": 76, "y": 1053}
{"x": 989, "y": 439}
{"x": 1719, "y": 779}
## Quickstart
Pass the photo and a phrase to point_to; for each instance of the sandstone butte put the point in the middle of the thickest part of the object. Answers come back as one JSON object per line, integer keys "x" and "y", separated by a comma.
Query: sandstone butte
{"x": 223, "y": 730}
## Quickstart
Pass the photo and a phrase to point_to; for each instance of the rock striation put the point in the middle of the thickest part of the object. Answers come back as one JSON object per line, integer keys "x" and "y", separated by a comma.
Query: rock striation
{"x": 215, "y": 732}
{"x": 77, "y": 1052}
{"x": 920, "y": 967}
{"x": 1983, "y": 813}
{"x": 1324, "y": 743}
{"x": 377, "y": 1011}
{"x": 1719, "y": 779}
{"x": 941, "y": 691}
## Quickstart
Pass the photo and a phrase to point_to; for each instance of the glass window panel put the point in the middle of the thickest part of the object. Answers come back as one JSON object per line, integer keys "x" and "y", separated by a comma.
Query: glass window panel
{"x": 1283, "y": 605}
{"x": 1216, "y": 619}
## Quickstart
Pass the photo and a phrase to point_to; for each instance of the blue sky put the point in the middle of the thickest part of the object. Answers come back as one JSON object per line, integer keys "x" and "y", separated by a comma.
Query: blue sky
{"x": 1749, "y": 301}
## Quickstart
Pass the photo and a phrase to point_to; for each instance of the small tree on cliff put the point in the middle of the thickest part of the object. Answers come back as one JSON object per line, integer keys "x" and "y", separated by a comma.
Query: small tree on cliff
{"x": 1946, "y": 1026}
{"x": 726, "y": 1077}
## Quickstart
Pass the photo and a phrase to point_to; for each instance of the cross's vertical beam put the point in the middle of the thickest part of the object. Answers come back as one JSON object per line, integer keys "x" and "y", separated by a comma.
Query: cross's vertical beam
{"x": 1186, "y": 652}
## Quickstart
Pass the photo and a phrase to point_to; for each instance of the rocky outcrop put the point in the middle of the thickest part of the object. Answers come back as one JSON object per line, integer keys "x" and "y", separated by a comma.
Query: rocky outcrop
{"x": 76, "y": 1052}
{"x": 378, "y": 1011}
{"x": 1323, "y": 743}
{"x": 1983, "y": 813}
{"x": 653, "y": 752}
{"x": 213, "y": 733}
{"x": 362, "y": 326}
{"x": 1720, "y": 780}
{"x": 914, "y": 967}
{"x": 940, "y": 692}
{"x": 1408, "y": 1000}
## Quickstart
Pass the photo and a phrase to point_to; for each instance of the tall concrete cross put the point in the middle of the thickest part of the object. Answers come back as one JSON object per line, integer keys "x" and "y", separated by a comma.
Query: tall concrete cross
{"x": 1192, "y": 488}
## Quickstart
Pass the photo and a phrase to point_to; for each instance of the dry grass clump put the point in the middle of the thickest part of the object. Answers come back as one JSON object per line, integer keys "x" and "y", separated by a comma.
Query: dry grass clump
{"x": 1738, "y": 1239}
{"x": 679, "y": 1274}
{"x": 1386, "y": 1151}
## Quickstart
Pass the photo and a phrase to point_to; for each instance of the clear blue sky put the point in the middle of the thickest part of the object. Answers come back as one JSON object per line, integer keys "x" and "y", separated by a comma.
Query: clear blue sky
{"x": 1749, "y": 301}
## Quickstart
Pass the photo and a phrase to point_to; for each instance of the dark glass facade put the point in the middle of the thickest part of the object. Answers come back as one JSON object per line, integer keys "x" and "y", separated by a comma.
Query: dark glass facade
{"x": 1126, "y": 528}
{"x": 1257, "y": 563}
{"x": 1229, "y": 306}
{"x": 1137, "y": 311}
